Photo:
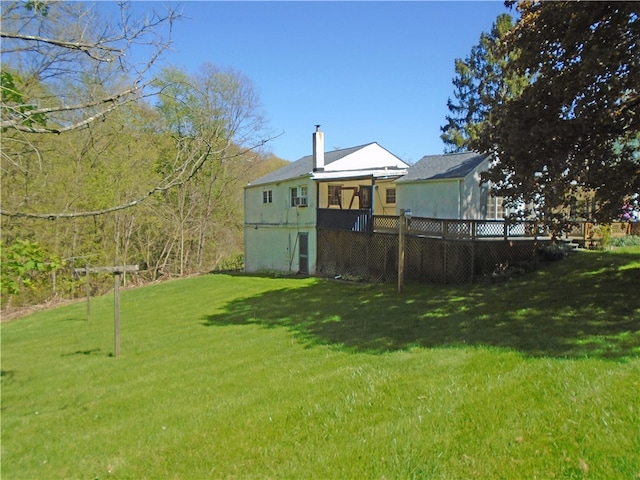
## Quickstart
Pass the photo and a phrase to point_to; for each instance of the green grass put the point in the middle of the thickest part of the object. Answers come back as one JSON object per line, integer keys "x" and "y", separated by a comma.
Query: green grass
{"x": 246, "y": 377}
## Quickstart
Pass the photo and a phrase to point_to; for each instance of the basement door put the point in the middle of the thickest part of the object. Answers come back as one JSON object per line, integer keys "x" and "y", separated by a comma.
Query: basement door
{"x": 303, "y": 253}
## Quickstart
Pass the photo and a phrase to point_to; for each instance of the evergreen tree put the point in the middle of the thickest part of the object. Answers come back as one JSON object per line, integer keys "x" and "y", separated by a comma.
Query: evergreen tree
{"x": 479, "y": 78}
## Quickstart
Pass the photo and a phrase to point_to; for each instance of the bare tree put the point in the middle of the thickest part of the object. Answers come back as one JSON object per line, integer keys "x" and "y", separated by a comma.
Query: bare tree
{"x": 48, "y": 48}
{"x": 212, "y": 115}
{"x": 65, "y": 66}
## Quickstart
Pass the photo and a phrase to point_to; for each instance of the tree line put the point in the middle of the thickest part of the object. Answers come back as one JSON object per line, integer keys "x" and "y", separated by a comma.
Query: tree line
{"x": 106, "y": 161}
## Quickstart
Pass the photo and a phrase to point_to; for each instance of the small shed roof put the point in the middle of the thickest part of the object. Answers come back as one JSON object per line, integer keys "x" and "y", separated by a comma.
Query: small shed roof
{"x": 441, "y": 167}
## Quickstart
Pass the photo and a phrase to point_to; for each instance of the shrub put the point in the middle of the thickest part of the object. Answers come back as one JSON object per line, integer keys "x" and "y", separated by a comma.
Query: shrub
{"x": 552, "y": 252}
{"x": 25, "y": 267}
{"x": 233, "y": 263}
{"x": 627, "y": 241}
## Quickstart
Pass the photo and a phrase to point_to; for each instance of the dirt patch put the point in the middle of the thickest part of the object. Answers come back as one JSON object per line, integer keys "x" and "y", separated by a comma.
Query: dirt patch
{"x": 15, "y": 313}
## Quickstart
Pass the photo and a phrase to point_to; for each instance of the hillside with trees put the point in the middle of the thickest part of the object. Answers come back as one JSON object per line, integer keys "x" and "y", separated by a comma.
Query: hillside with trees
{"x": 108, "y": 161}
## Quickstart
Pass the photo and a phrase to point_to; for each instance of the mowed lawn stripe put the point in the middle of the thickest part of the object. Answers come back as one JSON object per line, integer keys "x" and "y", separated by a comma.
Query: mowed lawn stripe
{"x": 225, "y": 376}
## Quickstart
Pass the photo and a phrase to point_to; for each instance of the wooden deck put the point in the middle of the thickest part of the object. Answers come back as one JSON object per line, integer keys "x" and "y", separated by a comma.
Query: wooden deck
{"x": 581, "y": 232}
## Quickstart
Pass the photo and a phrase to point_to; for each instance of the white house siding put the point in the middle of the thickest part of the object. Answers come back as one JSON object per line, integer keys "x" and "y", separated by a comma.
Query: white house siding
{"x": 271, "y": 229}
{"x": 280, "y": 211}
{"x": 455, "y": 198}
{"x": 473, "y": 203}
{"x": 432, "y": 199}
{"x": 371, "y": 156}
{"x": 277, "y": 249}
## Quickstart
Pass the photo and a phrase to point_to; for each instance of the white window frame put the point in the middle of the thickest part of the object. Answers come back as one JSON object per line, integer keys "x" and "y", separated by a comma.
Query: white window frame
{"x": 495, "y": 208}
{"x": 299, "y": 196}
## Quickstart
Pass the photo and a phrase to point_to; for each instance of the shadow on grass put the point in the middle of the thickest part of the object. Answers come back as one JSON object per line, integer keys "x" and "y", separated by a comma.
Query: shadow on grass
{"x": 586, "y": 306}
{"x": 92, "y": 351}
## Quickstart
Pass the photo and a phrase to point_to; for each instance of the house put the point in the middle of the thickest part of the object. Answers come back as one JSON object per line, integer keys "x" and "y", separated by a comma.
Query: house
{"x": 448, "y": 186}
{"x": 308, "y": 217}
{"x": 282, "y": 209}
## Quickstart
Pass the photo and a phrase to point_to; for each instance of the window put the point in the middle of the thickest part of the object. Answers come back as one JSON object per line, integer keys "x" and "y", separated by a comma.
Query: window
{"x": 495, "y": 208}
{"x": 299, "y": 196}
{"x": 390, "y": 196}
{"x": 491, "y": 207}
{"x": 365, "y": 196}
{"x": 501, "y": 212}
{"x": 267, "y": 196}
{"x": 335, "y": 195}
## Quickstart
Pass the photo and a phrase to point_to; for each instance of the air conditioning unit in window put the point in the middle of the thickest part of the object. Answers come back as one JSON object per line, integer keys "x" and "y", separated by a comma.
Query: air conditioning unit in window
{"x": 300, "y": 201}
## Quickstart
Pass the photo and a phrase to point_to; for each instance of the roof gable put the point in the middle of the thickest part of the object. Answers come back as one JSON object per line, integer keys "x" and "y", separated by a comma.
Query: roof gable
{"x": 362, "y": 157}
{"x": 441, "y": 167}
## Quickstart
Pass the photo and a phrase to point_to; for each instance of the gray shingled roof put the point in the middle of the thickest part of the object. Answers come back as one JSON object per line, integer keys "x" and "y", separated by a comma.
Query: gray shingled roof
{"x": 304, "y": 166}
{"x": 447, "y": 166}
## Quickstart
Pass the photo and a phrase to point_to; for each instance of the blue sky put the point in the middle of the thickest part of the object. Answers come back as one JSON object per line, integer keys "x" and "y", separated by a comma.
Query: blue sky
{"x": 366, "y": 71}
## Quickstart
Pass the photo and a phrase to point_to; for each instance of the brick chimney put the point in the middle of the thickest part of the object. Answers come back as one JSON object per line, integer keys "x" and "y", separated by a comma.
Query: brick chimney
{"x": 318, "y": 150}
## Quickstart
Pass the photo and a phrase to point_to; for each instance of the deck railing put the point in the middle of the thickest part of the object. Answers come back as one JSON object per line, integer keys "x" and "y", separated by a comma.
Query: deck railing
{"x": 352, "y": 220}
{"x": 461, "y": 229}
{"x": 363, "y": 221}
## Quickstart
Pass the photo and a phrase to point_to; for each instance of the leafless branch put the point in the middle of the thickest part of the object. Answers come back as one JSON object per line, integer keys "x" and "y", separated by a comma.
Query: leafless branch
{"x": 82, "y": 47}
{"x": 43, "y": 51}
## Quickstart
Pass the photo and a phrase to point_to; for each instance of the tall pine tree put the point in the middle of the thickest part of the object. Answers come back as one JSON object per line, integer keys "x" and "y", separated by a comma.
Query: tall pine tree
{"x": 479, "y": 79}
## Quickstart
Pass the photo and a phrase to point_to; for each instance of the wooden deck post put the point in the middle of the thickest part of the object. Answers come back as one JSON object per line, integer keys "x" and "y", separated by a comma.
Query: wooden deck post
{"x": 86, "y": 271}
{"x": 402, "y": 222}
{"x": 116, "y": 313}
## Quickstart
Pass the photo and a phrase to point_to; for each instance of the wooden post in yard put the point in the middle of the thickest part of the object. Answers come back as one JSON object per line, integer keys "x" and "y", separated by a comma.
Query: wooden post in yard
{"x": 116, "y": 271}
{"x": 86, "y": 272}
{"x": 116, "y": 313}
{"x": 401, "y": 235}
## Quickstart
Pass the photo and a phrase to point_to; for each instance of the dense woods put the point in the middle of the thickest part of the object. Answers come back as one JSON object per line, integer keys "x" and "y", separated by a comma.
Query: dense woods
{"x": 104, "y": 163}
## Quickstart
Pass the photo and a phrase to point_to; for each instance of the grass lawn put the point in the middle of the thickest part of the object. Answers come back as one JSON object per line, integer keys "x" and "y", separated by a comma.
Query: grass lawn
{"x": 247, "y": 377}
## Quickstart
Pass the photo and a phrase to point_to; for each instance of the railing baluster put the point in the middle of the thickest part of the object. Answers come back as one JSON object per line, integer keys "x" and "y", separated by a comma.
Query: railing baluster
{"x": 363, "y": 221}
